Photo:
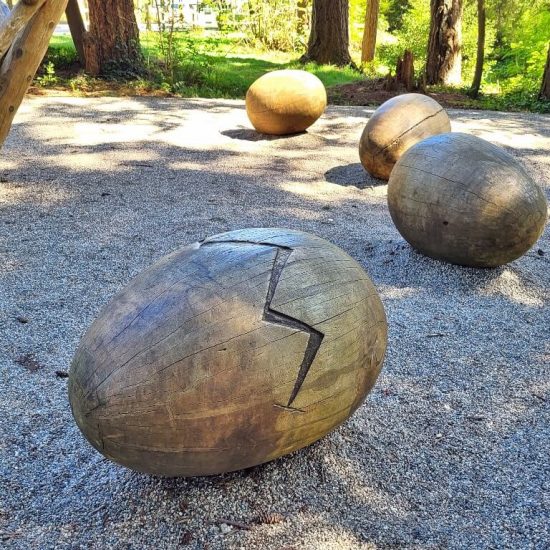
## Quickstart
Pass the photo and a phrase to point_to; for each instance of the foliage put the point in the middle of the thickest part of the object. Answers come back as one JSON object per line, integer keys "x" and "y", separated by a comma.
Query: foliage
{"x": 271, "y": 34}
{"x": 515, "y": 101}
{"x": 413, "y": 36}
{"x": 394, "y": 12}
{"x": 48, "y": 77}
{"x": 228, "y": 19}
{"x": 64, "y": 55}
{"x": 516, "y": 42}
{"x": 208, "y": 66}
{"x": 277, "y": 24}
{"x": 517, "y": 65}
{"x": 357, "y": 10}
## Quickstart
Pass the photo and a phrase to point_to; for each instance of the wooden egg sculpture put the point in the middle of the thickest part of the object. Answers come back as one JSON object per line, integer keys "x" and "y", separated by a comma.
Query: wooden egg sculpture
{"x": 458, "y": 198}
{"x": 395, "y": 126}
{"x": 229, "y": 353}
{"x": 285, "y": 102}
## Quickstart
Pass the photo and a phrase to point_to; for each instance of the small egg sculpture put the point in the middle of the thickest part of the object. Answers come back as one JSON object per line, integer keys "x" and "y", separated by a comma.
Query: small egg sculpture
{"x": 459, "y": 198}
{"x": 229, "y": 353}
{"x": 395, "y": 126}
{"x": 285, "y": 102}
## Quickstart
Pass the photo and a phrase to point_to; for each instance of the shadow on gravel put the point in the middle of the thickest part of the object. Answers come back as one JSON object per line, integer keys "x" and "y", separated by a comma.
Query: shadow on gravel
{"x": 251, "y": 135}
{"x": 352, "y": 175}
{"x": 445, "y": 452}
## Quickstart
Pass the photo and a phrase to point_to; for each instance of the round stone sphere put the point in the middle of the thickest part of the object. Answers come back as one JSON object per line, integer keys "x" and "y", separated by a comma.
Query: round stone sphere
{"x": 395, "y": 126}
{"x": 285, "y": 102}
{"x": 458, "y": 198}
{"x": 229, "y": 353}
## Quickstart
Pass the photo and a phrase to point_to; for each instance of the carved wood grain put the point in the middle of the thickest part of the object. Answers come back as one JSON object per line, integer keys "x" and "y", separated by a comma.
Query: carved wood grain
{"x": 395, "y": 126}
{"x": 459, "y": 198}
{"x": 229, "y": 353}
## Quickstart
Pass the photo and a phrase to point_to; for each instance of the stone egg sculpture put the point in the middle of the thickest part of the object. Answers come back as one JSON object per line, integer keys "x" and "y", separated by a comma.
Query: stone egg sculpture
{"x": 458, "y": 198}
{"x": 395, "y": 126}
{"x": 285, "y": 102}
{"x": 229, "y": 353}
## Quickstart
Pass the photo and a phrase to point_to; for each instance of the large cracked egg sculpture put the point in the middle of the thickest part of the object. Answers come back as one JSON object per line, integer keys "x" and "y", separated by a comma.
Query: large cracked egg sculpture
{"x": 229, "y": 353}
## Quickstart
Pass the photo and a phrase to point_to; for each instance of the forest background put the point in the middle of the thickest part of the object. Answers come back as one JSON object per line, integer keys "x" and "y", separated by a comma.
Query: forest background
{"x": 182, "y": 58}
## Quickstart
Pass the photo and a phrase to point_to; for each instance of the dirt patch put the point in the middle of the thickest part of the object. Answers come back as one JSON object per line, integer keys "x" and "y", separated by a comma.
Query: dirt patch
{"x": 372, "y": 92}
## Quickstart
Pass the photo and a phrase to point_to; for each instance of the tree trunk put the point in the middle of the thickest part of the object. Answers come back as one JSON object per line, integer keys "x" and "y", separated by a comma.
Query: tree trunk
{"x": 404, "y": 74}
{"x": 545, "y": 87}
{"x": 480, "y": 48}
{"x": 444, "y": 62}
{"x": 112, "y": 44}
{"x": 18, "y": 70}
{"x": 329, "y": 38}
{"x": 78, "y": 29}
{"x": 405, "y": 71}
{"x": 369, "y": 35}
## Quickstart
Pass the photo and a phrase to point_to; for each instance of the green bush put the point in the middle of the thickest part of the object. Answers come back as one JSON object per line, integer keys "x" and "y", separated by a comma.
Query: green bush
{"x": 62, "y": 57}
{"x": 519, "y": 65}
{"x": 275, "y": 25}
{"x": 413, "y": 36}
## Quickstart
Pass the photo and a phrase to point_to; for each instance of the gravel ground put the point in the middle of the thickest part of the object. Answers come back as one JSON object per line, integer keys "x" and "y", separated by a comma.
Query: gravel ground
{"x": 451, "y": 449}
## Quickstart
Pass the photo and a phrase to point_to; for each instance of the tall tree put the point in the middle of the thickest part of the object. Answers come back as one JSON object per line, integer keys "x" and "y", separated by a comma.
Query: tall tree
{"x": 368, "y": 47}
{"x": 77, "y": 27}
{"x": 480, "y": 48}
{"x": 329, "y": 38}
{"x": 112, "y": 43}
{"x": 394, "y": 12}
{"x": 545, "y": 87}
{"x": 444, "y": 60}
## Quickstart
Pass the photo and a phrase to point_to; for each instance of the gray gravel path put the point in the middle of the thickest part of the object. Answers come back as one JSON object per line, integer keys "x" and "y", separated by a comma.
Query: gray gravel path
{"x": 452, "y": 448}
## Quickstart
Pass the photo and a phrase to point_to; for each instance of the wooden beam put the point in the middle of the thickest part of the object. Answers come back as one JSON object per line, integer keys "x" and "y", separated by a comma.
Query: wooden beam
{"x": 26, "y": 54}
{"x": 14, "y": 24}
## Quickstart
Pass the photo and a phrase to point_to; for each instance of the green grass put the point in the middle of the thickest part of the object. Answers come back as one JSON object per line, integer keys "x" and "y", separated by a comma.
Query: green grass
{"x": 205, "y": 65}
{"x": 58, "y": 42}
{"x": 231, "y": 76}
{"x": 224, "y": 66}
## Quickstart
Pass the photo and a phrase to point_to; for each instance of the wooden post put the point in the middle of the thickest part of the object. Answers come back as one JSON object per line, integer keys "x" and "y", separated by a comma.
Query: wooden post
{"x": 26, "y": 54}
{"x": 77, "y": 27}
{"x": 16, "y": 21}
